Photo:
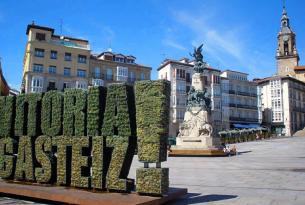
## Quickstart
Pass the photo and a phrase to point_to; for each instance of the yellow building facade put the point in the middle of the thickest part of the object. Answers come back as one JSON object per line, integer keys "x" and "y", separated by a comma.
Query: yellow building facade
{"x": 53, "y": 62}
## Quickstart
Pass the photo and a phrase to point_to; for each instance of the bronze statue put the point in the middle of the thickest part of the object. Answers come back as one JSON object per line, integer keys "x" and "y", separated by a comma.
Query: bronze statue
{"x": 198, "y": 54}
{"x": 200, "y": 65}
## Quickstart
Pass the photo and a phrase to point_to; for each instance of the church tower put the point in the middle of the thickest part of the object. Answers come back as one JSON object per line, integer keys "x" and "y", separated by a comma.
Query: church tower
{"x": 286, "y": 55}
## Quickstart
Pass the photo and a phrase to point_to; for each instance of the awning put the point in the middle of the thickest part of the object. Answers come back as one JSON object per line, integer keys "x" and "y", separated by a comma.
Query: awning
{"x": 248, "y": 126}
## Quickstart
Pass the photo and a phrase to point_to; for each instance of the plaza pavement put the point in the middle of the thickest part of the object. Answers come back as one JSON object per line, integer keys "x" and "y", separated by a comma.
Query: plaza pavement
{"x": 270, "y": 172}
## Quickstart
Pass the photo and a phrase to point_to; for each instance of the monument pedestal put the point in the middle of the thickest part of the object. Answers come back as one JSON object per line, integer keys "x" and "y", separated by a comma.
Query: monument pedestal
{"x": 196, "y": 136}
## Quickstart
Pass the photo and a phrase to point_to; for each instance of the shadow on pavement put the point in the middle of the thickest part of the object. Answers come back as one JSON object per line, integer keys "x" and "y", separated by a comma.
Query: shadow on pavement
{"x": 195, "y": 198}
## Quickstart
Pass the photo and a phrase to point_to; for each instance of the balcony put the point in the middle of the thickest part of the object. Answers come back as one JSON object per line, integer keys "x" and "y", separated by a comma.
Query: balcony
{"x": 246, "y": 94}
{"x": 250, "y": 107}
{"x": 241, "y": 119}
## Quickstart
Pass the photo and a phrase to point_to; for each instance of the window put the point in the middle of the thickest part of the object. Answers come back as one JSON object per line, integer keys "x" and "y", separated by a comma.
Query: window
{"x": 122, "y": 73}
{"x": 52, "y": 69}
{"x": 119, "y": 59}
{"x": 181, "y": 88}
{"x": 130, "y": 61}
{"x": 180, "y": 74}
{"x": 82, "y": 59}
{"x": 109, "y": 74}
{"x": 37, "y": 68}
{"x": 132, "y": 76}
{"x": 53, "y": 55}
{"x": 97, "y": 72}
{"x": 68, "y": 57}
{"x": 67, "y": 71}
{"x": 81, "y": 84}
{"x": 40, "y": 36}
{"x": 67, "y": 85}
{"x": 37, "y": 84}
{"x": 142, "y": 76}
{"x": 97, "y": 82}
{"x": 81, "y": 73}
{"x": 39, "y": 52}
{"x": 188, "y": 77}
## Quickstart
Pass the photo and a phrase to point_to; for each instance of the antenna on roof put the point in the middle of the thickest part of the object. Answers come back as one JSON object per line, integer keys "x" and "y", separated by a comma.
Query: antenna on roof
{"x": 33, "y": 22}
{"x": 60, "y": 26}
{"x": 109, "y": 47}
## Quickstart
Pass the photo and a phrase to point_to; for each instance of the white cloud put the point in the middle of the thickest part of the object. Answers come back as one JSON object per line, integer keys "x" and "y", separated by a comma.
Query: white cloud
{"x": 171, "y": 43}
{"x": 226, "y": 44}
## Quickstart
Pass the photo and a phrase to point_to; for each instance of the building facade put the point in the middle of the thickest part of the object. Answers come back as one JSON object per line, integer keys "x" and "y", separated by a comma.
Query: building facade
{"x": 239, "y": 100}
{"x": 282, "y": 104}
{"x": 287, "y": 56}
{"x": 109, "y": 67}
{"x": 53, "y": 62}
{"x": 179, "y": 73}
{"x": 282, "y": 97}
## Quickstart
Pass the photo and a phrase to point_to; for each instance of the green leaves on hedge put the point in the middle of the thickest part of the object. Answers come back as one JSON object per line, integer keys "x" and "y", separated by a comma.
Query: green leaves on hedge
{"x": 152, "y": 114}
{"x": 7, "y": 115}
{"x": 63, "y": 146}
{"x": 96, "y": 108}
{"x": 121, "y": 159}
{"x": 154, "y": 181}
{"x": 119, "y": 112}
{"x": 25, "y": 159}
{"x": 43, "y": 148}
{"x": 7, "y": 159}
{"x": 28, "y": 109}
{"x": 74, "y": 123}
{"x": 51, "y": 115}
{"x": 80, "y": 162}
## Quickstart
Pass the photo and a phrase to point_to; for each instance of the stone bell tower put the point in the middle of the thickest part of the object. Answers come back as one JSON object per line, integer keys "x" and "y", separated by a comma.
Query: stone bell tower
{"x": 286, "y": 55}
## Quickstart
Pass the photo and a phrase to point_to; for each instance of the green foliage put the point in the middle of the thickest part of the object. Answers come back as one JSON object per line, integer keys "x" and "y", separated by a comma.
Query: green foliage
{"x": 43, "y": 148}
{"x": 152, "y": 181}
{"x": 63, "y": 143}
{"x": 7, "y": 115}
{"x": 98, "y": 162}
{"x": 25, "y": 159}
{"x": 96, "y": 108}
{"x": 51, "y": 114}
{"x": 119, "y": 116}
{"x": 79, "y": 162}
{"x": 28, "y": 109}
{"x": 7, "y": 159}
{"x": 121, "y": 159}
{"x": 152, "y": 114}
{"x": 74, "y": 123}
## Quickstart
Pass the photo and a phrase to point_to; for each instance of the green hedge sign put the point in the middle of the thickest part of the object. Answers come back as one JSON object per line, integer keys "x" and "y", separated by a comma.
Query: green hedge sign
{"x": 87, "y": 139}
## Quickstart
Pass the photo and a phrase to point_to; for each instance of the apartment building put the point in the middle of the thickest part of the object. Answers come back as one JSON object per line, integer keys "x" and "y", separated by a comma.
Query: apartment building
{"x": 180, "y": 72}
{"x": 53, "y": 62}
{"x": 109, "y": 67}
{"x": 239, "y": 100}
{"x": 282, "y": 104}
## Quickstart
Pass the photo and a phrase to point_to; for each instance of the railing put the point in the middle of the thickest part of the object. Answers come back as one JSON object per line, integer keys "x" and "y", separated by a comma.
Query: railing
{"x": 247, "y": 106}
{"x": 241, "y": 119}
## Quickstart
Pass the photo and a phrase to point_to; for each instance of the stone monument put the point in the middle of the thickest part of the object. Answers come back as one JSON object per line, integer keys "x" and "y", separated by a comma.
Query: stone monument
{"x": 196, "y": 136}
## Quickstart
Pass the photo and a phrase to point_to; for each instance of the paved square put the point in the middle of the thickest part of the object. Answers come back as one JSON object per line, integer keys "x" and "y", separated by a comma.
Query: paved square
{"x": 266, "y": 172}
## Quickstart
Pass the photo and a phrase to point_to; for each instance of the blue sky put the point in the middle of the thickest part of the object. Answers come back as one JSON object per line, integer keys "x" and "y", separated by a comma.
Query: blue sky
{"x": 237, "y": 34}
